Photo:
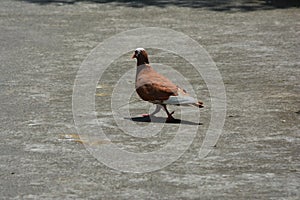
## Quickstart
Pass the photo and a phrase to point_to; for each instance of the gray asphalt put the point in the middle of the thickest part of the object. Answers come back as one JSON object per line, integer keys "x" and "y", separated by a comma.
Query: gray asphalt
{"x": 255, "y": 47}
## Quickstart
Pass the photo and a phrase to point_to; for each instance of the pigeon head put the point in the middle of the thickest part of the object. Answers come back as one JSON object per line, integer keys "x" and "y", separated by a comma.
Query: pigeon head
{"x": 141, "y": 55}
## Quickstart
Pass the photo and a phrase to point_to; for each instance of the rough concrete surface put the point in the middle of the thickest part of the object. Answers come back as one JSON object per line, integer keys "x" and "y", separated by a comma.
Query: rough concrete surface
{"x": 255, "y": 47}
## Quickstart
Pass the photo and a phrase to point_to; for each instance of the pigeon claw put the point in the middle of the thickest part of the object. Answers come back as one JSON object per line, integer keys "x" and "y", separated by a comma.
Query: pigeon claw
{"x": 171, "y": 119}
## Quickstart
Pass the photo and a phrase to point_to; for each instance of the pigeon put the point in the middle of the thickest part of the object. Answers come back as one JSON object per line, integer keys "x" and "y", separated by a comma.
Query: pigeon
{"x": 157, "y": 89}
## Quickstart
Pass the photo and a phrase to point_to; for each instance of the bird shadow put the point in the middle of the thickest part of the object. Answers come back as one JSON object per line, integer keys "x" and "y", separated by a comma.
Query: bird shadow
{"x": 154, "y": 119}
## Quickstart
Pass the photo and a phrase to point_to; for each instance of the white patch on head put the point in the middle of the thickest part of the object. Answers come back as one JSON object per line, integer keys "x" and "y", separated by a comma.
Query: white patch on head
{"x": 140, "y": 49}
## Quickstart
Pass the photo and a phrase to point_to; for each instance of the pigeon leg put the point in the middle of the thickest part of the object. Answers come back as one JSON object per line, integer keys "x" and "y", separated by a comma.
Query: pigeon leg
{"x": 170, "y": 118}
{"x": 157, "y": 109}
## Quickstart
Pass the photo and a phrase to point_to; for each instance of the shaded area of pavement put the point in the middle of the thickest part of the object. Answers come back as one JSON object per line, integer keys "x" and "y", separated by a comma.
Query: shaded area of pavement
{"x": 216, "y": 5}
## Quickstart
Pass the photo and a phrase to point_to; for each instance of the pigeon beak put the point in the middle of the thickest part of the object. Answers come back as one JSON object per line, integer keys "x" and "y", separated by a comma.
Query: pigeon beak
{"x": 133, "y": 56}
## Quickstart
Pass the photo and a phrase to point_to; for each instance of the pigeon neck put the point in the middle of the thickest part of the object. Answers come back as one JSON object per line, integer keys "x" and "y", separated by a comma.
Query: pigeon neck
{"x": 140, "y": 69}
{"x": 142, "y": 60}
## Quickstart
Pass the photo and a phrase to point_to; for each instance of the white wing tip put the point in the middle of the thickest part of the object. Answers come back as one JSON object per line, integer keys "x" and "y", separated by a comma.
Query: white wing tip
{"x": 179, "y": 100}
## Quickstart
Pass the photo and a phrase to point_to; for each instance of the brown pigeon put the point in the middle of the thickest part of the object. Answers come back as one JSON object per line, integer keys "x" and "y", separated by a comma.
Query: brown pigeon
{"x": 157, "y": 89}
